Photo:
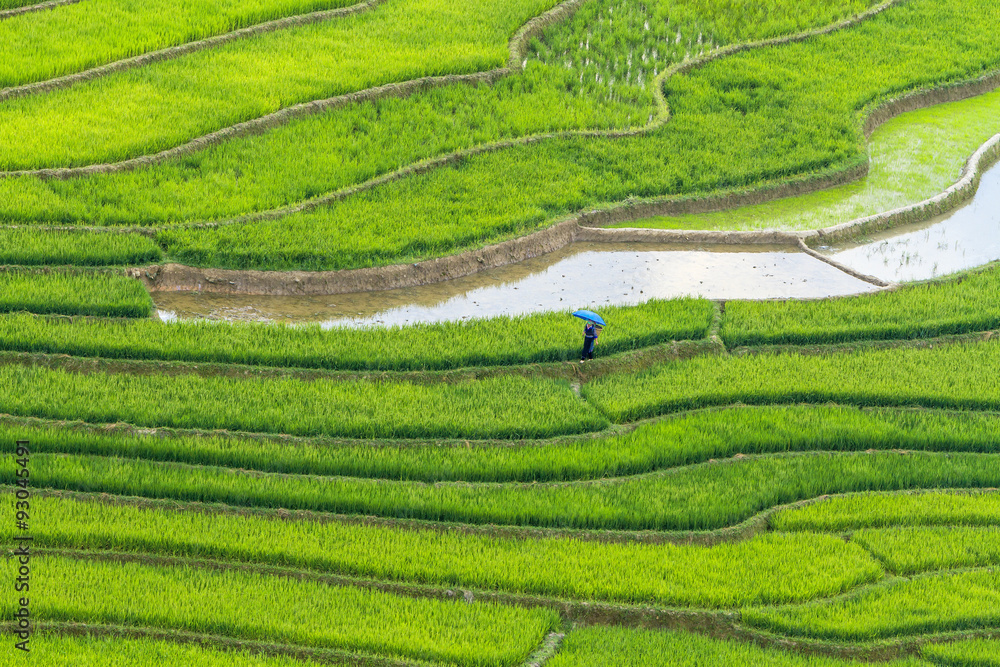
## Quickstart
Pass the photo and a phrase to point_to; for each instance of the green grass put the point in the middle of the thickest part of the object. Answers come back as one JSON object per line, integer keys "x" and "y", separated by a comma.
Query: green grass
{"x": 167, "y": 103}
{"x": 284, "y": 610}
{"x": 968, "y": 653}
{"x": 32, "y": 247}
{"x": 545, "y": 337}
{"x": 768, "y": 569}
{"x": 937, "y": 603}
{"x": 952, "y": 376}
{"x": 312, "y": 155}
{"x": 36, "y": 47}
{"x": 322, "y": 153}
{"x": 908, "y": 551}
{"x": 628, "y": 647}
{"x": 54, "y": 650}
{"x": 497, "y": 407}
{"x": 14, "y": 4}
{"x": 739, "y": 122}
{"x": 686, "y": 439}
{"x": 102, "y": 294}
{"x": 887, "y": 511}
{"x": 913, "y": 157}
{"x": 703, "y": 497}
{"x": 960, "y": 305}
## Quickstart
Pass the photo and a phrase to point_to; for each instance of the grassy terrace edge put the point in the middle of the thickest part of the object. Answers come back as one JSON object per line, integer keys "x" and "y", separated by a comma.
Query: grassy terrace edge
{"x": 566, "y": 229}
{"x": 516, "y": 47}
{"x": 221, "y": 230}
{"x": 453, "y": 632}
{"x": 19, "y": 7}
{"x": 736, "y": 48}
{"x": 908, "y": 102}
{"x": 669, "y": 443}
{"x": 66, "y": 644}
{"x": 707, "y": 496}
{"x": 960, "y": 305}
{"x": 195, "y": 42}
{"x": 715, "y": 622}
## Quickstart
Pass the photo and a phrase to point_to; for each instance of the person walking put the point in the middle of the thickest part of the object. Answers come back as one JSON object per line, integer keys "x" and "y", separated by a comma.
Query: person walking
{"x": 590, "y": 333}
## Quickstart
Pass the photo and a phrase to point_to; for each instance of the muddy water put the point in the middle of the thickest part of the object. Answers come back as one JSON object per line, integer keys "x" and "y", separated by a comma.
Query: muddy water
{"x": 967, "y": 237}
{"x": 584, "y": 275}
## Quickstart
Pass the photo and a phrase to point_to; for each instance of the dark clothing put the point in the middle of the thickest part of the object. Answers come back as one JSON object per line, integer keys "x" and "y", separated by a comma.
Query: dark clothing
{"x": 590, "y": 333}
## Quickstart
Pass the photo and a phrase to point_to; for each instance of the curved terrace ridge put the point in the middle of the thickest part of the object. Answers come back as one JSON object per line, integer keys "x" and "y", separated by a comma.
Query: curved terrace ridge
{"x": 216, "y": 641}
{"x": 715, "y": 625}
{"x": 602, "y": 611}
{"x": 172, "y": 52}
{"x": 517, "y": 45}
{"x": 28, "y": 9}
{"x": 529, "y": 509}
{"x": 757, "y": 524}
{"x": 581, "y": 227}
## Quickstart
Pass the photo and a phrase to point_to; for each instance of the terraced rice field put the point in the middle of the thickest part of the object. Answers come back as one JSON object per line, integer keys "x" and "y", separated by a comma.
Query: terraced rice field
{"x": 800, "y": 483}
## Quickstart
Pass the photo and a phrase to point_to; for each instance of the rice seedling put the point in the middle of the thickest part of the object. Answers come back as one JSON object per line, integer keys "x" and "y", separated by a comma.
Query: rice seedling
{"x": 951, "y": 376}
{"x": 615, "y": 50}
{"x": 890, "y": 510}
{"x": 898, "y": 608}
{"x": 967, "y": 653}
{"x": 56, "y": 650}
{"x": 495, "y": 407}
{"x": 44, "y": 45}
{"x": 321, "y": 153}
{"x": 953, "y": 306}
{"x": 167, "y": 103}
{"x": 527, "y": 339}
{"x": 703, "y": 497}
{"x": 32, "y": 247}
{"x": 908, "y": 551}
{"x": 256, "y": 607}
{"x": 737, "y": 123}
{"x": 767, "y": 569}
{"x": 14, "y": 4}
{"x": 914, "y": 157}
{"x": 684, "y": 440}
{"x": 312, "y": 155}
{"x": 87, "y": 293}
{"x": 626, "y": 647}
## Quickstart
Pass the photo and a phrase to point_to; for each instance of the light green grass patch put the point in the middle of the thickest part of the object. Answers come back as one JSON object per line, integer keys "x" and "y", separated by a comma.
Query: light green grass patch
{"x": 254, "y": 607}
{"x": 767, "y": 569}
{"x": 907, "y": 551}
{"x": 891, "y": 510}
{"x": 54, "y": 650}
{"x": 913, "y": 157}
{"x": 969, "y": 653}
{"x": 958, "y": 601}
{"x": 167, "y": 103}
{"x": 44, "y": 45}
{"x": 629, "y": 647}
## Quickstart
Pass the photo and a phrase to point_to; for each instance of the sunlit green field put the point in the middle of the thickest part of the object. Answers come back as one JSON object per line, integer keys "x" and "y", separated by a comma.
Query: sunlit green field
{"x": 913, "y": 157}
{"x": 793, "y": 483}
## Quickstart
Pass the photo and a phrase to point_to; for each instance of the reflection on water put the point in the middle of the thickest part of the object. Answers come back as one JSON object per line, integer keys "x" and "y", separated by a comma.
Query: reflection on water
{"x": 585, "y": 275}
{"x": 962, "y": 239}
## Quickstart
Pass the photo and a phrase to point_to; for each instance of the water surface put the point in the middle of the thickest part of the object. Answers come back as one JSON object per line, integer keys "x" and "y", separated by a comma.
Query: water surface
{"x": 583, "y": 275}
{"x": 965, "y": 238}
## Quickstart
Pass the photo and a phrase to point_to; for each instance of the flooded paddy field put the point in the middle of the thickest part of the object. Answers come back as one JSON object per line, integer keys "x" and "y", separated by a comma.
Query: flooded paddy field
{"x": 579, "y": 276}
{"x": 962, "y": 239}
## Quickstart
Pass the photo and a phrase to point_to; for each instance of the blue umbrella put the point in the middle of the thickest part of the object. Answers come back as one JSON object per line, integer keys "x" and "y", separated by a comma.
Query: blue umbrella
{"x": 590, "y": 316}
